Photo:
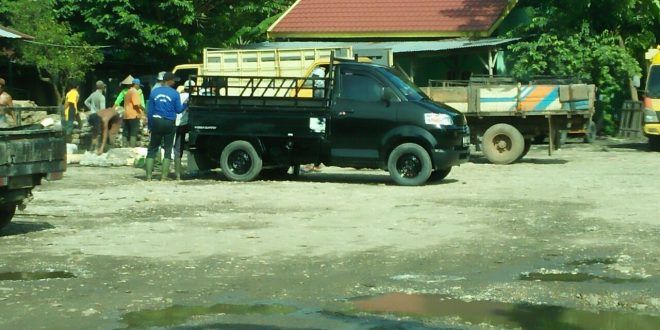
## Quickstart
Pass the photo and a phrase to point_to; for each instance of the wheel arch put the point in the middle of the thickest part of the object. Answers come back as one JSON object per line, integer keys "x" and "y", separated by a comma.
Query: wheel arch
{"x": 406, "y": 134}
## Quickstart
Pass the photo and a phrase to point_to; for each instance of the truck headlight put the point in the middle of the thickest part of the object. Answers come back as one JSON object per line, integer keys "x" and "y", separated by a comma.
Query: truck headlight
{"x": 438, "y": 119}
{"x": 650, "y": 116}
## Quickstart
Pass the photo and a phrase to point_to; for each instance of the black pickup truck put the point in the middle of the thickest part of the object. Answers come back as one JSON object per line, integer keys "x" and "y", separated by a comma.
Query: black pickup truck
{"x": 28, "y": 154}
{"x": 361, "y": 115}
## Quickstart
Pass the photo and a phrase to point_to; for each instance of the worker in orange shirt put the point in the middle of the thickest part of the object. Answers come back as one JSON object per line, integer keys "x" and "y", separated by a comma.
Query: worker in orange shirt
{"x": 133, "y": 112}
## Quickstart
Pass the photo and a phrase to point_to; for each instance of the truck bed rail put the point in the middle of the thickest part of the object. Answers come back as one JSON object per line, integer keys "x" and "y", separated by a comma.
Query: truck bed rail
{"x": 244, "y": 91}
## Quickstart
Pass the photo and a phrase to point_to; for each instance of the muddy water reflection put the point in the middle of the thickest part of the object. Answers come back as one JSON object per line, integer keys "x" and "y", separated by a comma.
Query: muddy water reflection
{"x": 502, "y": 314}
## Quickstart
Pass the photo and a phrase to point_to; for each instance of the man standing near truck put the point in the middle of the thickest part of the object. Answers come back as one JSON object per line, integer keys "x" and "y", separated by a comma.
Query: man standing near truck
{"x": 5, "y": 101}
{"x": 164, "y": 105}
{"x": 96, "y": 100}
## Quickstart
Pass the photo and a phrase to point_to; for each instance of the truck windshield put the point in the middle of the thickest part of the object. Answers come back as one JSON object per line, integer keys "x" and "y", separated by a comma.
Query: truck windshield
{"x": 412, "y": 92}
{"x": 653, "y": 86}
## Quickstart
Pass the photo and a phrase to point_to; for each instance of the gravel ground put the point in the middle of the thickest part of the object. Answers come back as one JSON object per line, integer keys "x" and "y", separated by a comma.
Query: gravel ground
{"x": 578, "y": 230}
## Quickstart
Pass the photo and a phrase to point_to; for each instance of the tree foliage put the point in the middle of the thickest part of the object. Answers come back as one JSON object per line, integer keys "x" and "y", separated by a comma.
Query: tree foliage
{"x": 60, "y": 55}
{"x": 596, "y": 41}
{"x": 169, "y": 30}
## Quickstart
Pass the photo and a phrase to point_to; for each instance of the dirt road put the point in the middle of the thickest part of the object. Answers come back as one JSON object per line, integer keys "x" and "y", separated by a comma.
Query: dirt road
{"x": 549, "y": 241}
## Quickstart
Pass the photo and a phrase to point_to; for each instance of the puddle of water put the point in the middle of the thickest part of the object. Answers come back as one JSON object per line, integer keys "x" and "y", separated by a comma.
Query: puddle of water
{"x": 576, "y": 277}
{"x": 594, "y": 261}
{"x": 33, "y": 276}
{"x": 177, "y": 314}
{"x": 502, "y": 314}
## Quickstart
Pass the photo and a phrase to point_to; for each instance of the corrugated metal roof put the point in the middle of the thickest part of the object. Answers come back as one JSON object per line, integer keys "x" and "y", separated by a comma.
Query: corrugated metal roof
{"x": 395, "y": 46}
{"x": 6, "y": 32}
{"x": 374, "y": 17}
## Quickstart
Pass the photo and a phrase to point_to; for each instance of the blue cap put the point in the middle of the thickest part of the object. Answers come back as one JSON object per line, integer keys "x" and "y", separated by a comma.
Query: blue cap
{"x": 136, "y": 81}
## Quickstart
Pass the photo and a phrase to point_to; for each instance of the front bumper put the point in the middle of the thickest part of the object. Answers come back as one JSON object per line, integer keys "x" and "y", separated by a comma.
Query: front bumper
{"x": 652, "y": 129}
{"x": 443, "y": 159}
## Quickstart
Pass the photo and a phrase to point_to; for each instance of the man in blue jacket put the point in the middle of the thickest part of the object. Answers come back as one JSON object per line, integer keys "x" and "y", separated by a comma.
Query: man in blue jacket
{"x": 164, "y": 105}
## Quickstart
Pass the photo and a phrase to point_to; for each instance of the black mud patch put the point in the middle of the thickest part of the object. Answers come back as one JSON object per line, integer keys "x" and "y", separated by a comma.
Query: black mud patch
{"x": 34, "y": 276}
{"x": 575, "y": 277}
{"x": 176, "y": 315}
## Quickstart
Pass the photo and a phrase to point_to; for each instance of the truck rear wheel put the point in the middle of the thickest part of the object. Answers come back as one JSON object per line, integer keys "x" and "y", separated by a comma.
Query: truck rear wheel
{"x": 503, "y": 144}
{"x": 409, "y": 165}
{"x": 6, "y": 214}
{"x": 240, "y": 161}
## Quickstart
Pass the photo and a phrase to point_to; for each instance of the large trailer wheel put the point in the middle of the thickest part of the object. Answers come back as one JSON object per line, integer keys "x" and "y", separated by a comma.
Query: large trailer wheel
{"x": 590, "y": 134}
{"x": 6, "y": 214}
{"x": 503, "y": 144}
{"x": 240, "y": 161}
{"x": 409, "y": 165}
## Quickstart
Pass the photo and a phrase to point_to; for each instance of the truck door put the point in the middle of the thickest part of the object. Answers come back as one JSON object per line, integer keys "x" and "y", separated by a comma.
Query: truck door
{"x": 359, "y": 119}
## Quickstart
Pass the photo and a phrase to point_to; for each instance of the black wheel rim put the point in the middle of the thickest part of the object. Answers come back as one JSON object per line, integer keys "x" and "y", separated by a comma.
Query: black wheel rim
{"x": 409, "y": 165}
{"x": 239, "y": 162}
{"x": 502, "y": 143}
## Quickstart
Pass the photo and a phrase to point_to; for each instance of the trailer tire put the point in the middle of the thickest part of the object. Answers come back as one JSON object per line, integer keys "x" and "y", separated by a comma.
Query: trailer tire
{"x": 439, "y": 175}
{"x": 409, "y": 164}
{"x": 240, "y": 161}
{"x": 503, "y": 144}
{"x": 590, "y": 134}
{"x": 6, "y": 214}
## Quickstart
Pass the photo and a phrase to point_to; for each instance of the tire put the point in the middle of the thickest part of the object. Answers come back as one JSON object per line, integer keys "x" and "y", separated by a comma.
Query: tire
{"x": 240, "y": 161}
{"x": 6, "y": 214}
{"x": 590, "y": 135}
{"x": 409, "y": 165}
{"x": 654, "y": 143}
{"x": 439, "y": 175}
{"x": 502, "y": 144}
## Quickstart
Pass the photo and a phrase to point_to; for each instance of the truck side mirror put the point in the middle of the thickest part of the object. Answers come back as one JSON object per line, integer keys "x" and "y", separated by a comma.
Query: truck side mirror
{"x": 387, "y": 95}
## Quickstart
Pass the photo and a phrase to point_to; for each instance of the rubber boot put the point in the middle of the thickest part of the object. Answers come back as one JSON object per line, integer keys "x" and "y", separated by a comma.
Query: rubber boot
{"x": 166, "y": 169}
{"x": 177, "y": 168}
{"x": 133, "y": 141}
{"x": 149, "y": 166}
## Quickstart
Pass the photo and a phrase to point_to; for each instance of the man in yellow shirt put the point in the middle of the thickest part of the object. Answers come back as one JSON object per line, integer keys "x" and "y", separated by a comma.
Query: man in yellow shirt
{"x": 70, "y": 110}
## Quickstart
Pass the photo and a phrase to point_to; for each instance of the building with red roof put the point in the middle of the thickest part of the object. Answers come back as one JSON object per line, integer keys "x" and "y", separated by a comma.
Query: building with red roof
{"x": 387, "y": 19}
{"x": 429, "y": 39}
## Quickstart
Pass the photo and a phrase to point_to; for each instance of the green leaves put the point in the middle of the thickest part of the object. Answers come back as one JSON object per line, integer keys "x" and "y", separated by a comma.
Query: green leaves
{"x": 596, "y": 41}
{"x": 59, "y": 54}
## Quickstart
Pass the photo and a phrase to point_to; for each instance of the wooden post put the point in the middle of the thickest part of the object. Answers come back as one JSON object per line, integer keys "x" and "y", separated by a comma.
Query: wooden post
{"x": 551, "y": 136}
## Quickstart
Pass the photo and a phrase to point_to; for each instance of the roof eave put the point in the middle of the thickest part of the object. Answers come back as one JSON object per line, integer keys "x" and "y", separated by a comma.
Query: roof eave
{"x": 20, "y": 34}
{"x": 377, "y": 34}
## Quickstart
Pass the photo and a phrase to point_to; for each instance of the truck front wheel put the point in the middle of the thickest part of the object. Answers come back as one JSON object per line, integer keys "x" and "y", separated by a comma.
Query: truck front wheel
{"x": 503, "y": 144}
{"x": 409, "y": 165}
{"x": 6, "y": 214}
{"x": 240, "y": 161}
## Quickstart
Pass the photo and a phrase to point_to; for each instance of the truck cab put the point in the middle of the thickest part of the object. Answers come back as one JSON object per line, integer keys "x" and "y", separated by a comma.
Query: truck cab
{"x": 369, "y": 116}
{"x": 652, "y": 100}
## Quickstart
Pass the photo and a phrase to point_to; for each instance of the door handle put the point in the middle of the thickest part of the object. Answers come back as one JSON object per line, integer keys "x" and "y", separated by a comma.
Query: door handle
{"x": 346, "y": 112}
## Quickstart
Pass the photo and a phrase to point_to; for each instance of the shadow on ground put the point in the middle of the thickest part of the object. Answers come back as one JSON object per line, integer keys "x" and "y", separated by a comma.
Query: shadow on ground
{"x": 24, "y": 227}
